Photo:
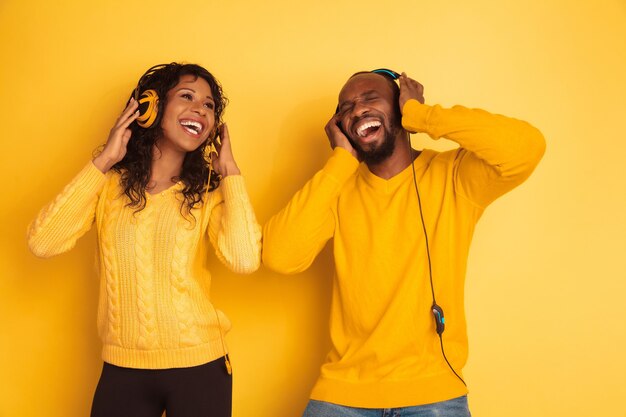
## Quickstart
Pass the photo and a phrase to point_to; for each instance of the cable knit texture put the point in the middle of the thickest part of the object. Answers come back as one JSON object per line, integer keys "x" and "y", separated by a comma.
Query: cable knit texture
{"x": 154, "y": 307}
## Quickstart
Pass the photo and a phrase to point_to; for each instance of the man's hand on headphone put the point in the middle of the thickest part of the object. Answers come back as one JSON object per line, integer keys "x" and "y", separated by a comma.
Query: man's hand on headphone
{"x": 115, "y": 148}
{"x": 336, "y": 137}
{"x": 410, "y": 89}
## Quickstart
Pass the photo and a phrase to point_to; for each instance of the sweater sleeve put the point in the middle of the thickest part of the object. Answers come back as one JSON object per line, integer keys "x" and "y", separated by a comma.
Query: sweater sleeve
{"x": 233, "y": 228}
{"x": 497, "y": 152}
{"x": 69, "y": 216}
{"x": 294, "y": 236}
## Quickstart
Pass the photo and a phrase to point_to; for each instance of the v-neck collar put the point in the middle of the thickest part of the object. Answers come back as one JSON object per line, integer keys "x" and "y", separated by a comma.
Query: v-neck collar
{"x": 391, "y": 184}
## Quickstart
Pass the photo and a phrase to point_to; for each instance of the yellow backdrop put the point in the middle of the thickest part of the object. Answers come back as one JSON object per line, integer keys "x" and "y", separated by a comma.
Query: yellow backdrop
{"x": 546, "y": 281}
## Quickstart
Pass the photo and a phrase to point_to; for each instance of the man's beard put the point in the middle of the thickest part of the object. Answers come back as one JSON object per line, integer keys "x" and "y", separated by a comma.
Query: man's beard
{"x": 380, "y": 153}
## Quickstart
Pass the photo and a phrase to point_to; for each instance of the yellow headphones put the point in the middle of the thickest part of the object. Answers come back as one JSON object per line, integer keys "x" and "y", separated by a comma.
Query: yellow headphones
{"x": 148, "y": 99}
{"x": 149, "y": 102}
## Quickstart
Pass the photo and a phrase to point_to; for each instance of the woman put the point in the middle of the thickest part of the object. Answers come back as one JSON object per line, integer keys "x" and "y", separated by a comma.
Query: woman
{"x": 158, "y": 200}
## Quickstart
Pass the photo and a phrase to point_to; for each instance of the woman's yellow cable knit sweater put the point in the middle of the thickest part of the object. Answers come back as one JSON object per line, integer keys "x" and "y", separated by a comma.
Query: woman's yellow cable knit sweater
{"x": 154, "y": 306}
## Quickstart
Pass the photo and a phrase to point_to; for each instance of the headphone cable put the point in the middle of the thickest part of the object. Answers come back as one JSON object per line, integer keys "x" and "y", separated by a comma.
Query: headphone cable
{"x": 430, "y": 269}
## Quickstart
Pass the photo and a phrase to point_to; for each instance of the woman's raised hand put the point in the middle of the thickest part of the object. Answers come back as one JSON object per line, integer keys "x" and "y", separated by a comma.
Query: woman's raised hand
{"x": 115, "y": 148}
{"x": 224, "y": 162}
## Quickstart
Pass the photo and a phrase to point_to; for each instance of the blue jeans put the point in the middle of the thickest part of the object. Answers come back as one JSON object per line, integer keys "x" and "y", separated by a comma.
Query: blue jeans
{"x": 456, "y": 407}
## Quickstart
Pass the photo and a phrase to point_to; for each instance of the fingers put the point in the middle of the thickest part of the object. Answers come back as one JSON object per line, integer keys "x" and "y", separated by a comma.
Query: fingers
{"x": 223, "y": 150}
{"x": 222, "y": 137}
{"x": 130, "y": 113}
{"x": 410, "y": 83}
{"x": 410, "y": 89}
{"x": 336, "y": 136}
{"x": 332, "y": 123}
{"x": 223, "y": 132}
{"x": 332, "y": 130}
{"x": 223, "y": 160}
{"x": 402, "y": 80}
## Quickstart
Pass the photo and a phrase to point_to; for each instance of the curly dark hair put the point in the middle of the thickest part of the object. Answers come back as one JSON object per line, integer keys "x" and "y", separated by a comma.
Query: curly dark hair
{"x": 135, "y": 167}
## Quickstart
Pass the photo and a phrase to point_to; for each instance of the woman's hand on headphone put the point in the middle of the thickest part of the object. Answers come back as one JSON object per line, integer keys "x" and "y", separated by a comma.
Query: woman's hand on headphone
{"x": 115, "y": 148}
{"x": 224, "y": 162}
{"x": 410, "y": 89}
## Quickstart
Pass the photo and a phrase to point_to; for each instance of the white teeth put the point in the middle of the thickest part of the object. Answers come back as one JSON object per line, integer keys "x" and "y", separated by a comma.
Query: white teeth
{"x": 361, "y": 130}
{"x": 191, "y": 126}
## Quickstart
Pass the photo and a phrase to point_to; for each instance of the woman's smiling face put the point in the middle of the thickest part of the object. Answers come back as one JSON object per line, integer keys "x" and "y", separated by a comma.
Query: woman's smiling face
{"x": 189, "y": 116}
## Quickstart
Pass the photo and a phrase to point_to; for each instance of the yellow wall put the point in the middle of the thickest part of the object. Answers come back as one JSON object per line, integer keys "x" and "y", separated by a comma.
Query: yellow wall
{"x": 546, "y": 281}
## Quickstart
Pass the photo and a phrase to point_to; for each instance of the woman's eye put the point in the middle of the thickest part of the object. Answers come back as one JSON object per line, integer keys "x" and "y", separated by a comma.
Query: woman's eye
{"x": 186, "y": 96}
{"x": 209, "y": 105}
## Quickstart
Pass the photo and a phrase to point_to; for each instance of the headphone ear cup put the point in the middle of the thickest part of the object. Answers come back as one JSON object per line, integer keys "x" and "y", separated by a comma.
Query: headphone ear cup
{"x": 148, "y": 108}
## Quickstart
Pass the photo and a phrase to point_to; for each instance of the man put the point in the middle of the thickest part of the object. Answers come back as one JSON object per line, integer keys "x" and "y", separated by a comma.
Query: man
{"x": 401, "y": 223}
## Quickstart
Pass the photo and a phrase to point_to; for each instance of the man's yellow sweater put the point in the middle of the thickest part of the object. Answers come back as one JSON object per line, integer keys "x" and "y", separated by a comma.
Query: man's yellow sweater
{"x": 385, "y": 351}
{"x": 154, "y": 307}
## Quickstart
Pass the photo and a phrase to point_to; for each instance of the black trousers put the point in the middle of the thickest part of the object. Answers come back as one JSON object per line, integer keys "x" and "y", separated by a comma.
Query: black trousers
{"x": 199, "y": 391}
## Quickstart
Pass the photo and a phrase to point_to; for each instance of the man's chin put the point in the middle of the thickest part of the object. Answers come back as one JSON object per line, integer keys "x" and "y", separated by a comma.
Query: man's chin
{"x": 376, "y": 151}
{"x": 367, "y": 148}
{"x": 376, "y": 155}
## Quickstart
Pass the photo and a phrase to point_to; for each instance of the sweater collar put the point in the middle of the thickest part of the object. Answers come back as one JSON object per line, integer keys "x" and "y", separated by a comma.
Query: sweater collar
{"x": 400, "y": 178}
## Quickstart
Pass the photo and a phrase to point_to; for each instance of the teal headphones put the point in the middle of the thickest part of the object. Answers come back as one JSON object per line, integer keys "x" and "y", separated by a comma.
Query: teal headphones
{"x": 387, "y": 73}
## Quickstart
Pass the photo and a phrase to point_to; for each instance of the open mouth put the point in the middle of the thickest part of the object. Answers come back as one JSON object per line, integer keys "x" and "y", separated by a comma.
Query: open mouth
{"x": 191, "y": 126}
{"x": 368, "y": 128}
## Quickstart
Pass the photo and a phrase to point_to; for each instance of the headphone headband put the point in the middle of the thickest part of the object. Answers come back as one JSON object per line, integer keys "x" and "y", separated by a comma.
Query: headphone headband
{"x": 148, "y": 99}
{"x": 149, "y": 73}
{"x": 387, "y": 73}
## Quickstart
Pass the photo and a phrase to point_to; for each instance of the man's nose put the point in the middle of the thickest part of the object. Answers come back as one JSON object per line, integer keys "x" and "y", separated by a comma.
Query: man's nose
{"x": 360, "y": 109}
